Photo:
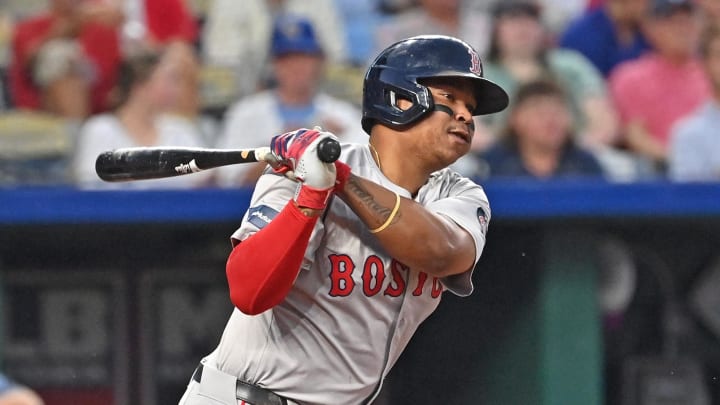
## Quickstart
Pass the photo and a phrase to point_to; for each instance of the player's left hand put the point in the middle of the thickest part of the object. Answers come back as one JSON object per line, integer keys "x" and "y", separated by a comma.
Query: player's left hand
{"x": 298, "y": 159}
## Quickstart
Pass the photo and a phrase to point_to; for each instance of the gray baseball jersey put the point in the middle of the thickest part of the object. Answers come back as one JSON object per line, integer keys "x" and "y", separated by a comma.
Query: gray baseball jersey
{"x": 353, "y": 308}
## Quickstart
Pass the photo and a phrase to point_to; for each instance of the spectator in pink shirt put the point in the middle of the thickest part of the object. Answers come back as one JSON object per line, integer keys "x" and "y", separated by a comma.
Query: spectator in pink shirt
{"x": 653, "y": 92}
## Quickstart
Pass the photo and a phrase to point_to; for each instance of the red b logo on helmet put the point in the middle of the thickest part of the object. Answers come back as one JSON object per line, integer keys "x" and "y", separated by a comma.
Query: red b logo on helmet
{"x": 475, "y": 62}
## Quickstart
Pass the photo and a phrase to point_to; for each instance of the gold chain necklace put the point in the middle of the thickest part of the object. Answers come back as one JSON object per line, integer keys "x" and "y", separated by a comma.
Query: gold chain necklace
{"x": 377, "y": 157}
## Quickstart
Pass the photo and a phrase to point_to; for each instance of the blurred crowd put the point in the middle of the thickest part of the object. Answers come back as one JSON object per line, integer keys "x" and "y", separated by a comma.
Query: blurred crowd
{"x": 613, "y": 90}
{"x": 607, "y": 90}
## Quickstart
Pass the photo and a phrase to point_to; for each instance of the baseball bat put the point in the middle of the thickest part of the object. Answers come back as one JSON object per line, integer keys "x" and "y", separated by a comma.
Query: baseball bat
{"x": 142, "y": 163}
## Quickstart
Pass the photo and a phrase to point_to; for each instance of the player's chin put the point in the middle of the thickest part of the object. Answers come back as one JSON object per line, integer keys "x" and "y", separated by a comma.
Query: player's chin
{"x": 459, "y": 144}
{"x": 453, "y": 155}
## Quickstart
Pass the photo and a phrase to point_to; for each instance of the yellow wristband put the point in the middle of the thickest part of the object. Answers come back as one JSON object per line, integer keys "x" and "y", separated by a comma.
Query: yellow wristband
{"x": 390, "y": 218}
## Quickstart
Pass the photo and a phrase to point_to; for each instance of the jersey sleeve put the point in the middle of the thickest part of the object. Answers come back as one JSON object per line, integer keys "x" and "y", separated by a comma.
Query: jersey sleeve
{"x": 272, "y": 192}
{"x": 470, "y": 210}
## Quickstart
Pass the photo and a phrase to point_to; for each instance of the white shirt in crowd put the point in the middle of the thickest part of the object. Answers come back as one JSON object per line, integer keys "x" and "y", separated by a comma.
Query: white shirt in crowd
{"x": 105, "y": 132}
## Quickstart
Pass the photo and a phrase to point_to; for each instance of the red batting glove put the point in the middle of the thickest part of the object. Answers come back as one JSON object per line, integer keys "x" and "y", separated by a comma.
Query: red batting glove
{"x": 297, "y": 152}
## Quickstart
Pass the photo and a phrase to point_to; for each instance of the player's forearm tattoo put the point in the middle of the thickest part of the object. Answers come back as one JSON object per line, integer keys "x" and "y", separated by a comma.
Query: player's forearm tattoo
{"x": 354, "y": 187}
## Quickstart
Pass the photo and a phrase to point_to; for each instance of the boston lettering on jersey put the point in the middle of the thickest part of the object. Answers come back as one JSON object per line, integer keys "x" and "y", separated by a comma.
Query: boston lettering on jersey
{"x": 374, "y": 277}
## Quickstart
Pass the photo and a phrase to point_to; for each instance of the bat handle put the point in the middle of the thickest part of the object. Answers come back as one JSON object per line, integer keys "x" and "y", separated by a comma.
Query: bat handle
{"x": 328, "y": 150}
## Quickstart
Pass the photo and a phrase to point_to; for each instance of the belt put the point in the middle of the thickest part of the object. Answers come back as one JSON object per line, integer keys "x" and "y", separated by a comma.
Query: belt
{"x": 248, "y": 392}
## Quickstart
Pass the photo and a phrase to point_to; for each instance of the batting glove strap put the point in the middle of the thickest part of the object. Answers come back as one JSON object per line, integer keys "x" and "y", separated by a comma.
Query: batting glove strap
{"x": 342, "y": 171}
{"x": 310, "y": 197}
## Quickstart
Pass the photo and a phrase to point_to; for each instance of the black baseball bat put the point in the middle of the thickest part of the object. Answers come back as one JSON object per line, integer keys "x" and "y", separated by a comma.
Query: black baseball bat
{"x": 141, "y": 163}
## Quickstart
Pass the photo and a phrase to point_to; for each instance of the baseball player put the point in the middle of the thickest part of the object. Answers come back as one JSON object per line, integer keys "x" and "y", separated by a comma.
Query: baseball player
{"x": 336, "y": 265}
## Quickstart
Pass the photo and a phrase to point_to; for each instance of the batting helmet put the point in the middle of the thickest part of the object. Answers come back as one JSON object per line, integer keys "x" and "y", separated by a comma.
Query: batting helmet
{"x": 396, "y": 71}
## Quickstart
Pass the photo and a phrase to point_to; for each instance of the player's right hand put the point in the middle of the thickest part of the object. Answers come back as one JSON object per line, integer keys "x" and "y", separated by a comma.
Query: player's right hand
{"x": 297, "y": 154}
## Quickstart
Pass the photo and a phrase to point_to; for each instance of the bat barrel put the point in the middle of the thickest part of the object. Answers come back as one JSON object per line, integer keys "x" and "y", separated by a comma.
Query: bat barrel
{"x": 127, "y": 164}
{"x": 153, "y": 163}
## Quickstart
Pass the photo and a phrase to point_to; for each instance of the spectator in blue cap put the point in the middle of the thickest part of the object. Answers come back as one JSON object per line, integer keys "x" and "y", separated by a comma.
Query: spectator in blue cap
{"x": 236, "y": 35}
{"x": 294, "y": 100}
{"x": 294, "y": 34}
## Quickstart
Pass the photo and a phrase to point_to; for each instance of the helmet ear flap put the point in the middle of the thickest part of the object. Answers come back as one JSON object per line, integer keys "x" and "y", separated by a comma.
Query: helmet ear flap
{"x": 381, "y": 100}
{"x": 395, "y": 72}
{"x": 420, "y": 98}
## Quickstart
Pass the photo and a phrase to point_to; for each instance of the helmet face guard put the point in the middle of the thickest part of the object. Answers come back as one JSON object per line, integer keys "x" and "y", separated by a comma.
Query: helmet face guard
{"x": 396, "y": 72}
{"x": 396, "y": 85}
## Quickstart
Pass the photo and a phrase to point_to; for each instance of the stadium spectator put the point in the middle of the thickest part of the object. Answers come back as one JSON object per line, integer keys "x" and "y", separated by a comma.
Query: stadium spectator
{"x": 186, "y": 65}
{"x": 710, "y": 11}
{"x": 444, "y": 17}
{"x": 156, "y": 23}
{"x": 557, "y": 14}
{"x": 520, "y": 52}
{"x": 654, "y": 91}
{"x": 295, "y": 102}
{"x": 360, "y": 19}
{"x": 538, "y": 141}
{"x": 608, "y": 34}
{"x": 236, "y": 34}
{"x": 147, "y": 89}
{"x": 65, "y": 60}
{"x": 695, "y": 144}
{"x": 12, "y": 393}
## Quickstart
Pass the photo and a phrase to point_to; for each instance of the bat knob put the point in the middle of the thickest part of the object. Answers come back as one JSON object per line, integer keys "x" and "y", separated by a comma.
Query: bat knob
{"x": 328, "y": 150}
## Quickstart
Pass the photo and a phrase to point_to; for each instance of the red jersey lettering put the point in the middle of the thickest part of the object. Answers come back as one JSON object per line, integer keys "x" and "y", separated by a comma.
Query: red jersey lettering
{"x": 396, "y": 286}
{"x": 371, "y": 288}
{"x": 341, "y": 270}
{"x": 374, "y": 278}
{"x": 421, "y": 283}
{"x": 437, "y": 288}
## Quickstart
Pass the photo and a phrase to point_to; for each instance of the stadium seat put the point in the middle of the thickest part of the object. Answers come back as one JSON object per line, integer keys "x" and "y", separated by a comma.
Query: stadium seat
{"x": 35, "y": 148}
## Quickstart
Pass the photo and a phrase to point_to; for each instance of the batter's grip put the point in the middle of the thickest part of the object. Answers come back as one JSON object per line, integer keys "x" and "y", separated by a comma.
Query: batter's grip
{"x": 328, "y": 150}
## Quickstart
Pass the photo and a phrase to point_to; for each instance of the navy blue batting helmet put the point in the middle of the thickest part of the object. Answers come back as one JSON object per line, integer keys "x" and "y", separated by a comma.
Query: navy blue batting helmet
{"x": 396, "y": 73}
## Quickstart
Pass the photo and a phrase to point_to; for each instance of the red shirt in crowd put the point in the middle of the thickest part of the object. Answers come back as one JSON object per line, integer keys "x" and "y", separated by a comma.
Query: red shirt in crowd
{"x": 170, "y": 20}
{"x": 100, "y": 43}
{"x": 166, "y": 20}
